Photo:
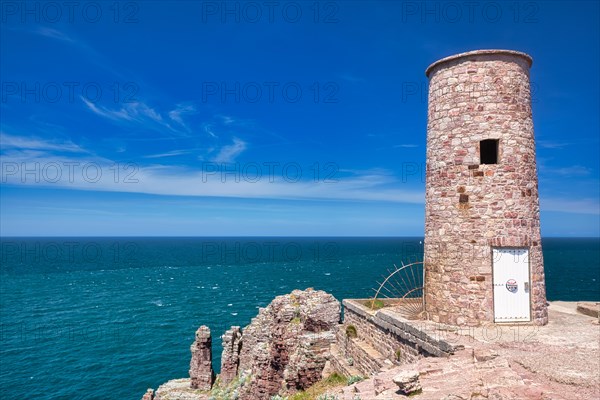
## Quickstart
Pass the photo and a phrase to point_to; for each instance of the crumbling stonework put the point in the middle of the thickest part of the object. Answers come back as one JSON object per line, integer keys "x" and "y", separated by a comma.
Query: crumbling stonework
{"x": 471, "y": 206}
{"x": 287, "y": 345}
{"x": 230, "y": 358}
{"x": 201, "y": 372}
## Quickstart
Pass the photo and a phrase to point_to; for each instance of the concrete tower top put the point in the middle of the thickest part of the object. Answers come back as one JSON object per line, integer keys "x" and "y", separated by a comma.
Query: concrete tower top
{"x": 475, "y": 54}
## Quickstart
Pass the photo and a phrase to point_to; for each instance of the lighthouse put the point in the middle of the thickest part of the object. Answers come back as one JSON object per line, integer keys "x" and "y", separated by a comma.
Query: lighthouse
{"x": 482, "y": 250}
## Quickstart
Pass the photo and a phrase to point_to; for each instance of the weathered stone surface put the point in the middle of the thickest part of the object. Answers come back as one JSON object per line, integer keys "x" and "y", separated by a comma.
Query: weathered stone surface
{"x": 149, "y": 395}
{"x": 287, "y": 345}
{"x": 407, "y": 382}
{"x": 386, "y": 335}
{"x": 230, "y": 358}
{"x": 201, "y": 372}
{"x": 481, "y": 355}
{"x": 587, "y": 308}
{"x": 179, "y": 389}
{"x": 558, "y": 361}
{"x": 471, "y": 207}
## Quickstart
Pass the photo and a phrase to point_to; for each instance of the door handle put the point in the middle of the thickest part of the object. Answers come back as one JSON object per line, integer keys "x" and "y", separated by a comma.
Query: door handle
{"x": 526, "y": 287}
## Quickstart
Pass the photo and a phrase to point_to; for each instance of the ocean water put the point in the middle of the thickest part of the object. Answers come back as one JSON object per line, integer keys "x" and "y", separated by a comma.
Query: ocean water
{"x": 106, "y": 318}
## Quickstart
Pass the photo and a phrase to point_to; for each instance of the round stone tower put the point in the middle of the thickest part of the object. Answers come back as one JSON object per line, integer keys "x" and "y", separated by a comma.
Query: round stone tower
{"x": 483, "y": 254}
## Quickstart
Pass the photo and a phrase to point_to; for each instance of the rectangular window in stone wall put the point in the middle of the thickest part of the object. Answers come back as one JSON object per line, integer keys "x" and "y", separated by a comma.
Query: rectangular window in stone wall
{"x": 488, "y": 151}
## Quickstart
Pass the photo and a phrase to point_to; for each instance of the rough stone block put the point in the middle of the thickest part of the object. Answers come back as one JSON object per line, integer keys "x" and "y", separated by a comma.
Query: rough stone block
{"x": 408, "y": 382}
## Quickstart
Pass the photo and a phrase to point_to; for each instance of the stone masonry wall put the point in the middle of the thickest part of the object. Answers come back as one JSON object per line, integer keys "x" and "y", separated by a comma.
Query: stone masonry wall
{"x": 472, "y": 207}
{"x": 394, "y": 339}
{"x": 383, "y": 340}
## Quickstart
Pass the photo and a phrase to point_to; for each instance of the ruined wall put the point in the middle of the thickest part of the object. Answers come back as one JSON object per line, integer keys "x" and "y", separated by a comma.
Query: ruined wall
{"x": 472, "y": 207}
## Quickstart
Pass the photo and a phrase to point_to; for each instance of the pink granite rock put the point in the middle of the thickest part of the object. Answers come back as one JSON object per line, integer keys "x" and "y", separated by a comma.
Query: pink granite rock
{"x": 286, "y": 346}
{"x": 408, "y": 382}
{"x": 201, "y": 372}
{"x": 230, "y": 358}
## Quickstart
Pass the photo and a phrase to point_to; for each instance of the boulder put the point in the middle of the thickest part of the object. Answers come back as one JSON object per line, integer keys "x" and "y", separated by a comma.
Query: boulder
{"x": 407, "y": 382}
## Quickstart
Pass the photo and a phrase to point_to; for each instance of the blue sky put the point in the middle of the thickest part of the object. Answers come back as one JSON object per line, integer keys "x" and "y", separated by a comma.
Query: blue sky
{"x": 297, "y": 118}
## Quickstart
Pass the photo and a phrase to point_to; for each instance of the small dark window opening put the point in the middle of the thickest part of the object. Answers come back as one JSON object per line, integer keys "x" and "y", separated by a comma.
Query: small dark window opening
{"x": 488, "y": 151}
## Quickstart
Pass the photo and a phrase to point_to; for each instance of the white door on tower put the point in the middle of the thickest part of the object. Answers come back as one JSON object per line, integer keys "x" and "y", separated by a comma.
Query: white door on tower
{"x": 511, "y": 284}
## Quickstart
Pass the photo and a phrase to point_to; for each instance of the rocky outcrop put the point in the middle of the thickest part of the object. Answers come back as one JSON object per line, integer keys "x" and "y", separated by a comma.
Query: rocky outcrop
{"x": 179, "y": 389}
{"x": 201, "y": 372}
{"x": 286, "y": 346}
{"x": 230, "y": 359}
{"x": 284, "y": 349}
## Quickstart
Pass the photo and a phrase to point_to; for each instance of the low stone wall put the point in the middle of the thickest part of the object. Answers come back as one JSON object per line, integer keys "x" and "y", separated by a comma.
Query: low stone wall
{"x": 384, "y": 338}
{"x": 360, "y": 355}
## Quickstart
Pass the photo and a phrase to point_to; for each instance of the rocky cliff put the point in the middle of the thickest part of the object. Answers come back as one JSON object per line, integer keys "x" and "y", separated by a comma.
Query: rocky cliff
{"x": 288, "y": 346}
{"x": 283, "y": 350}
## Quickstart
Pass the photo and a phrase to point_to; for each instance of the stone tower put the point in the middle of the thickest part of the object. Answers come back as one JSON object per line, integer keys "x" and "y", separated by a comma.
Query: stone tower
{"x": 483, "y": 254}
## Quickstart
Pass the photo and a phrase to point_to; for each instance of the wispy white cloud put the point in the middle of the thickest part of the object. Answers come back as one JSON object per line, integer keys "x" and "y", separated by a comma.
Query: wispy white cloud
{"x": 227, "y": 120}
{"x": 115, "y": 115}
{"x": 549, "y": 144}
{"x": 179, "y": 111}
{"x": 54, "y": 34}
{"x": 206, "y": 182}
{"x": 570, "y": 171}
{"x": 407, "y": 146}
{"x": 132, "y": 111}
{"x": 376, "y": 185}
{"x": 576, "y": 206}
{"x": 228, "y": 153}
{"x": 574, "y": 170}
{"x": 171, "y": 153}
{"x": 140, "y": 113}
{"x": 208, "y": 128}
{"x": 32, "y": 143}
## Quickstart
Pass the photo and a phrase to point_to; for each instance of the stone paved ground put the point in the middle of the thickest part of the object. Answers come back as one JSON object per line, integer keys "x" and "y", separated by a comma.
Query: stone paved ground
{"x": 558, "y": 361}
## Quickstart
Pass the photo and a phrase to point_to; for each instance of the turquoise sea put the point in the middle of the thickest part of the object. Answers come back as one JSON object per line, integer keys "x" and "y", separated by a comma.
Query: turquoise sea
{"x": 106, "y": 318}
